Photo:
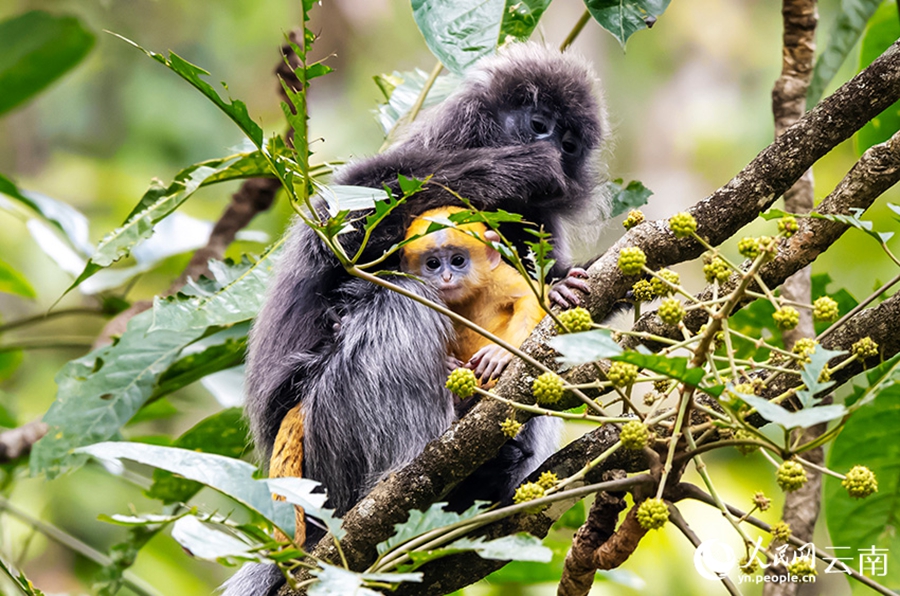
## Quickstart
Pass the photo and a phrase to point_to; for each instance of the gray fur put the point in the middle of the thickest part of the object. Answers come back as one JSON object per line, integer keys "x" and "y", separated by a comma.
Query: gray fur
{"x": 368, "y": 364}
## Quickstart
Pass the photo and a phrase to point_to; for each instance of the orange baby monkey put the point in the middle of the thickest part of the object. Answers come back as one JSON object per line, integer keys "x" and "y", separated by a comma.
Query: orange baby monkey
{"x": 474, "y": 282}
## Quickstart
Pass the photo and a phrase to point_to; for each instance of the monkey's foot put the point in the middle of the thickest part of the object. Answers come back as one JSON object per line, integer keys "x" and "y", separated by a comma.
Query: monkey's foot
{"x": 561, "y": 293}
{"x": 489, "y": 362}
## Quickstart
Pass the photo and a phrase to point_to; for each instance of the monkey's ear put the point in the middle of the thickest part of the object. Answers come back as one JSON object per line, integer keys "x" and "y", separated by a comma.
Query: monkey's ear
{"x": 493, "y": 257}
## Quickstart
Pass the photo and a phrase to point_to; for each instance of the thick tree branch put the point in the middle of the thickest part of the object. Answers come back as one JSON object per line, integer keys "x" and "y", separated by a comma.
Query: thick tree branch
{"x": 477, "y": 437}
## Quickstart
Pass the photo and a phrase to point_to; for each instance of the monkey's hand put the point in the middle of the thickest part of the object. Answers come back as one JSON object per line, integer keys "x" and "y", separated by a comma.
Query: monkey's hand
{"x": 452, "y": 363}
{"x": 489, "y": 362}
{"x": 561, "y": 293}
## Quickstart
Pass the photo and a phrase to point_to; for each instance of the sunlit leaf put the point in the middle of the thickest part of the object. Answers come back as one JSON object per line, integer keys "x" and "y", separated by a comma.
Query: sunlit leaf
{"x": 336, "y": 581}
{"x": 229, "y": 476}
{"x": 37, "y": 48}
{"x": 223, "y": 433}
{"x": 800, "y": 419}
{"x": 402, "y": 89}
{"x": 459, "y": 32}
{"x": 307, "y": 494}
{"x": 65, "y": 218}
{"x": 206, "y": 543}
{"x": 585, "y": 347}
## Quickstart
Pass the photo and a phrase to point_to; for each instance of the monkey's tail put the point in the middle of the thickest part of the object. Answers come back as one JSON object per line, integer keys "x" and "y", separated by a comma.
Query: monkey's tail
{"x": 254, "y": 579}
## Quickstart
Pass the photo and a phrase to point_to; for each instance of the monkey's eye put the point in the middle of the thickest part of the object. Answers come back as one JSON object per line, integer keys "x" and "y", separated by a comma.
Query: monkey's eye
{"x": 458, "y": 260}
{"x": 570, "y": 143}
{"x": 433, "y": 264}
{"x": 540, "y": 125}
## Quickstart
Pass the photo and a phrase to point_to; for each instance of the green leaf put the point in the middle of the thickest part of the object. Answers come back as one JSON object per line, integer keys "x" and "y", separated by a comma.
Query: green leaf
{"x": 161, "y": 201}
{"x": 854, "y": 221}
{"x": 100, "y": 392}
{"x": 223, "y": 433}
{"x": 800, "y": 419}
{"x": 520, "y": 17}
{"x": 869, "y": 438}
{"x": 235, "y": 109}
{"x": 231, "y": 477}
{"x": 307, "y": 494}
{"x": 13, "y": 282}
{"x": 235, "y": 295}
{"x": 402, "y": 89}
{"x": 459, "y": 32}
{"x": 673, "y": 367}
{"x": 883, "y": 30}
{"x": 623, "y": 18}
{"x": 850, "y": 23}
{"x": 206, "y": 543}
{"x": 631, "y": 196}
{"x": 37, "y": 48}
{"x": 811, "y": 372}
{"x": 585, "y": 347}
{"x": 420, "y": 522}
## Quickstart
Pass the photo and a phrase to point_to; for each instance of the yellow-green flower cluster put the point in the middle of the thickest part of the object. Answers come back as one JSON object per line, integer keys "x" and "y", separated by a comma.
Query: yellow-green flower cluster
{"x": 547, "y": 388}
{"x": 635, "y": 217}
{"x": 631, "y": 260}
{"x": 790, "y": 476}
{"x": 683, "y": 224}
{"x": 652, "y": 514}
{"x": 575, "y": 320}
{"x": 622, "y": 374}
{"x": 462, "y": 382}
{"x": 860, "y": 482}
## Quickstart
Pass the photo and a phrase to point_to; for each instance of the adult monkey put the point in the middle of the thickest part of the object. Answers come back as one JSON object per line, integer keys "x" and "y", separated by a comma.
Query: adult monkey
{"x": 522, "y": 135}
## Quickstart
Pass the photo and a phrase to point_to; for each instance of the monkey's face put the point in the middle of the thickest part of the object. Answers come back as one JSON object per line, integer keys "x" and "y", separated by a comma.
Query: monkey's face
{"x": 528, "y": 124}
{"x": 449, "y": 269}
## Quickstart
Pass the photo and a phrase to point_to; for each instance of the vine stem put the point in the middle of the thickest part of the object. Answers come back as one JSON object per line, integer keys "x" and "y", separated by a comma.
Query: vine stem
{"x": 37, "y": 319}
{"x": 576, "y": 31}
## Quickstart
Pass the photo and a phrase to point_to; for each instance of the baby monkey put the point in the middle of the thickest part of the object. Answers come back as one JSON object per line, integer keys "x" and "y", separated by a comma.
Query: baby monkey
{"x": 474, "y": 282}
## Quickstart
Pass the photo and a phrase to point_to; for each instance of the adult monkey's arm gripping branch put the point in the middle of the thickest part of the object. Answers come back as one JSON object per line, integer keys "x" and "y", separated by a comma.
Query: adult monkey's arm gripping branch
{"x": 477, "y": 437}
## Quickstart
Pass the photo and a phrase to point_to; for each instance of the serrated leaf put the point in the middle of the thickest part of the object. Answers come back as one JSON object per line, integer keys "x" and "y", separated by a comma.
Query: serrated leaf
{"x": 854, "y": 221}
{"x": 37, "y": 48}
{"x": 624, "y": 18}
{"x": 13, "y": 282}
{"x": 157, "y": 203}
{"x": 811, "y": 372}
{"x": 100, "y": 392}
{"x": 459, "y": 32}
{"x": 402, "y": 90}
{"x": 585, "y": 347}
{"x": 869, "y": 438}
{"x": 673, "y": 367}
{"x": 299, "y": 491}
{"x": 420, "y": 522}
{"x": 800, "y": 419}
{"x": 520, "y": 17}
{"x": 208, "y": 544}
{"x": 226, "y": 475}
{"x": 848, "y": 27}
{"x": 631, "y": 196}
{"x": 236, "y": 296}
{"x": 882, "y": 31}
{"x": 234, "y": 109}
